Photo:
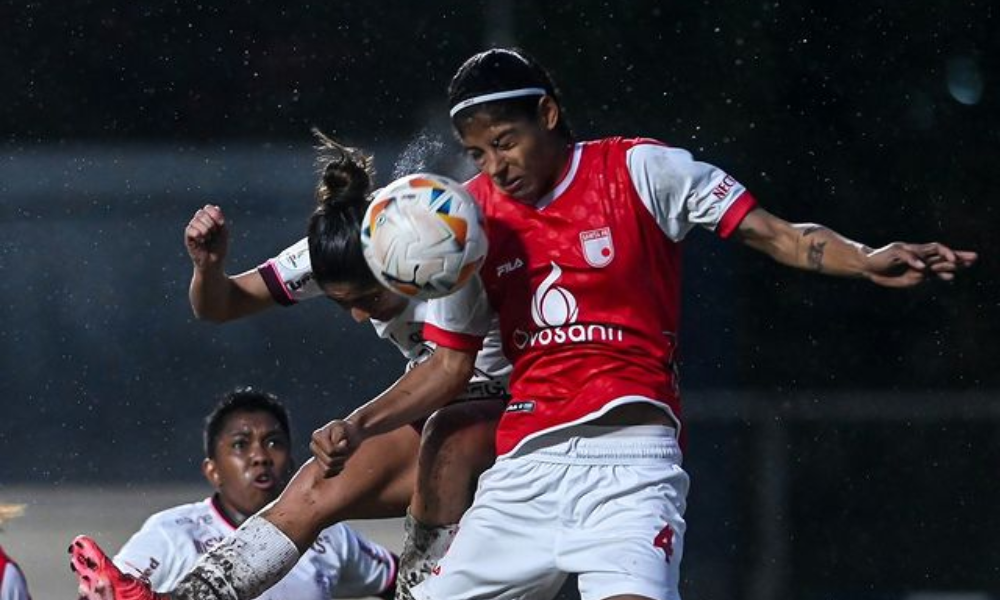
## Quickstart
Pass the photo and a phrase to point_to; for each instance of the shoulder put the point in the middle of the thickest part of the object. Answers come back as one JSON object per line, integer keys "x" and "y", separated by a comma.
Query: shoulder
{"x": 181, "y": 517}
{"x": 621, "y": 144}
{"x": 479, "y": 186}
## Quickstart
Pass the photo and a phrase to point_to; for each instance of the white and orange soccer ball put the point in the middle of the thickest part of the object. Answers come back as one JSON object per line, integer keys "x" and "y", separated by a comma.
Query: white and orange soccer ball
{"x": 423, "y": 236}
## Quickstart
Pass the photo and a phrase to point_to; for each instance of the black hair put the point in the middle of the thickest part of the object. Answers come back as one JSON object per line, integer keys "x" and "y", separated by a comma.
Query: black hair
{"x": 242, "y": 399}
{"x": 501, "y": 70}
{"x": 346, "y": 180}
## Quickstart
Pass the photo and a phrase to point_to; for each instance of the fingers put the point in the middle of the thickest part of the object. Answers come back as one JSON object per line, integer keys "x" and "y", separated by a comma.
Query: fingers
{"x": 330, "y": 465}
{"x": 205, "y": 222}
{"x": 943, "y": 262}
{"x": 331, "y": 447}
{"x": 911, "y": 255}
{"x": 966, "y": 258}
{"x": 935, "y": 252}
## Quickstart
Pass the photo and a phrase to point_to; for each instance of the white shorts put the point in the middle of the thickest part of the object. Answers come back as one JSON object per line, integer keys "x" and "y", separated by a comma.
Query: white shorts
{"x": 604, "y": 502}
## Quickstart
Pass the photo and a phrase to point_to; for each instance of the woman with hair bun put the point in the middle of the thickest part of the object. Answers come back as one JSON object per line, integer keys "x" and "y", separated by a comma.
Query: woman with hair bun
{"x": 425, "y": 470}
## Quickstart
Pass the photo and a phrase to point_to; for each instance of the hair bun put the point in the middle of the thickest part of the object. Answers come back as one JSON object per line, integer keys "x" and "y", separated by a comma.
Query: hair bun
{"x": 346, "y": 174}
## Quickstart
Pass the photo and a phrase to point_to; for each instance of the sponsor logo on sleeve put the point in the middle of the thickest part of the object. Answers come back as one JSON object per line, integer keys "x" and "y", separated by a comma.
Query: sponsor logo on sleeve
{"x": 294, "y": 260}
{"x": 295, "y": 285}
{"x": 722, "y": 190}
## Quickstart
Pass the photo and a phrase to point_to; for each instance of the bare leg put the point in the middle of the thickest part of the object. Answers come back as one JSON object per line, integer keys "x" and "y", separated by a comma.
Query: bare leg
{"x": 457, "y": 446}
{"x": 377, "y": 482}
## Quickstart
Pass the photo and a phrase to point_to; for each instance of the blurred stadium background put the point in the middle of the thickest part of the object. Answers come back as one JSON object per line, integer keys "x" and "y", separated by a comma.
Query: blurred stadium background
{"x": 844, "y": 440}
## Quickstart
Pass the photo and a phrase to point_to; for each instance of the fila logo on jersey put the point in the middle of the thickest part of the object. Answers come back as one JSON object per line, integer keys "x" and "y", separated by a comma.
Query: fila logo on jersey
{"x": 509, "y": 266}
{"x": 554, "y": 311}
{"x": 598, "y": 247}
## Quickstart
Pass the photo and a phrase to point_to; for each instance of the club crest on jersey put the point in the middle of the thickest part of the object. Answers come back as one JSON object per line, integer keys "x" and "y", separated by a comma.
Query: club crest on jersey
{"x": 598, "y": 247}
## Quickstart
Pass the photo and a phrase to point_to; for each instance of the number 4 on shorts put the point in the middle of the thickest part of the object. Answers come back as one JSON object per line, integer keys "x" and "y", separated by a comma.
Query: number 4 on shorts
{"x": 665, "y": 541}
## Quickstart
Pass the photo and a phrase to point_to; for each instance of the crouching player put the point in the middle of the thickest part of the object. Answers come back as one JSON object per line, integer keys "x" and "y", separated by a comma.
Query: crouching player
{"x": 247, "y": 461}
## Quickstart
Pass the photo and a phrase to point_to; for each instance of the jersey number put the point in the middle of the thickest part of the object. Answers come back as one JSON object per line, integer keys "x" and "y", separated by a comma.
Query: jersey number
{"x": 665, "y": 541}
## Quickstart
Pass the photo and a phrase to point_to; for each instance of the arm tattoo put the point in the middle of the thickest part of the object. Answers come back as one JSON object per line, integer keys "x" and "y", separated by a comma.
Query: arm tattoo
{"x": 814, "y": 256}
{"x": 808, "y": 231}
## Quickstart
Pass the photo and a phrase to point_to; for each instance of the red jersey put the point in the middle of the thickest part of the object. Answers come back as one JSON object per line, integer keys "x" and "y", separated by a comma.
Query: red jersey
{"x": 586, "y": 283}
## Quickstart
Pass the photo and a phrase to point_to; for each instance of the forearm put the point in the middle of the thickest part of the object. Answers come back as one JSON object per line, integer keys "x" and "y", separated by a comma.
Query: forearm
{"x": 217, "y": 297}
{"x": 422, "y": 390}
{"x": 816, "y": 248}
{"x": 805, "y": 246}
{"x": 823, "y": 250}
{"x": 210, "y": 294}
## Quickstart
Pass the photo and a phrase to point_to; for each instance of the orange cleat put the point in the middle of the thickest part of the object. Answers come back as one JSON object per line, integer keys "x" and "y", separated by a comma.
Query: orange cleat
{"x": 100, "y": 579}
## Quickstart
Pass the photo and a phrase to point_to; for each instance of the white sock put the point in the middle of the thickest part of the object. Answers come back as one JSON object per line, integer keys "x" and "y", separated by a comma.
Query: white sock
{"x": 423, "y": 547}
{"x": 242, "y": 567}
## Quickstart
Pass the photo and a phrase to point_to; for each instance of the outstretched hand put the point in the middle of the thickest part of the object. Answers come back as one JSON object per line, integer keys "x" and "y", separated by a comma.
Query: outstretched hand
{"x": 206, "y": 237}
{"x": 903, "y": 265}
{"x": 333, "y": 444}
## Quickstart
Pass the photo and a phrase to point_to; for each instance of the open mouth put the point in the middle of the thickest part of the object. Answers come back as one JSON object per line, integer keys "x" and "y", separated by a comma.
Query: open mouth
{"x": 265, "y": 481}
{"x": 513, "y": 186}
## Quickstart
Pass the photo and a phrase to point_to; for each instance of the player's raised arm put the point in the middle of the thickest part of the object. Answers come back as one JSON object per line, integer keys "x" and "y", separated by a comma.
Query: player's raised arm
{"x": 817, "y": 248}
{"x": 215, "y": 296}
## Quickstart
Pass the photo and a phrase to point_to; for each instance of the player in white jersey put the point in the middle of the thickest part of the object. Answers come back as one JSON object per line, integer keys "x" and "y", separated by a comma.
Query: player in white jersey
{"x": 583, "y": 273}
{"x": 248, "y": 461}
{"x": 435, "y": 474}
{"x": 13, "y": 585}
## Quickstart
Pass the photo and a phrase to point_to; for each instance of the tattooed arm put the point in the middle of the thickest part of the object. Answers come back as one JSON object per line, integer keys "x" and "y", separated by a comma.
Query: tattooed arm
{"x": 816, "y": 248}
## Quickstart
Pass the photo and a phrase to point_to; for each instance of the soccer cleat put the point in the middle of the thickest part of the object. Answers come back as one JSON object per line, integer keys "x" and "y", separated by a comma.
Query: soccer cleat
{"x": 100, "y": 579}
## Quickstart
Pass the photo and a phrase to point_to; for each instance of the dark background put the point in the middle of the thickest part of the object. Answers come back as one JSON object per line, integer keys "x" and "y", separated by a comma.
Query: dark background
{"x": 879, "y": 120}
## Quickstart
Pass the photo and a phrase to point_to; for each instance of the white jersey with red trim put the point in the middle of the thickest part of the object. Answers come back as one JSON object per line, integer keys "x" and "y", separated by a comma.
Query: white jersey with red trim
{"x": 587, "y": 282}
{"x": 289, "y": 279}
{"x": 340, "y": 564}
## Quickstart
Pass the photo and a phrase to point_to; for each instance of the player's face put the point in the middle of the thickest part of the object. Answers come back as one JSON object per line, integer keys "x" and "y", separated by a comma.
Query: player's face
{"x": 366, "y": 303}
{"x": 523, "y": 157}
{"x": 252, "y": 462}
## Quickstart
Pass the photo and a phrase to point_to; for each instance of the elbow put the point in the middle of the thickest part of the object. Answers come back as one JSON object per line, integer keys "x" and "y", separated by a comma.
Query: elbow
{"x": 212, "y": 316}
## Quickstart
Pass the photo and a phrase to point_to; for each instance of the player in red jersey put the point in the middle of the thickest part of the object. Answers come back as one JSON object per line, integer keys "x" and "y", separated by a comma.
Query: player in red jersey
{"x": 583, "y": 273}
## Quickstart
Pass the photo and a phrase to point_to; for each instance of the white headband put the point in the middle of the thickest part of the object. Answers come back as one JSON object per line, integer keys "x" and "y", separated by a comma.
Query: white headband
{"x": 532, "y": 91}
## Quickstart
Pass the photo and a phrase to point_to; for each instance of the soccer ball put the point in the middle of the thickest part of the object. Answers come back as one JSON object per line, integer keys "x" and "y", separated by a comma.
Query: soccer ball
{"x": 423, "y": 236}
